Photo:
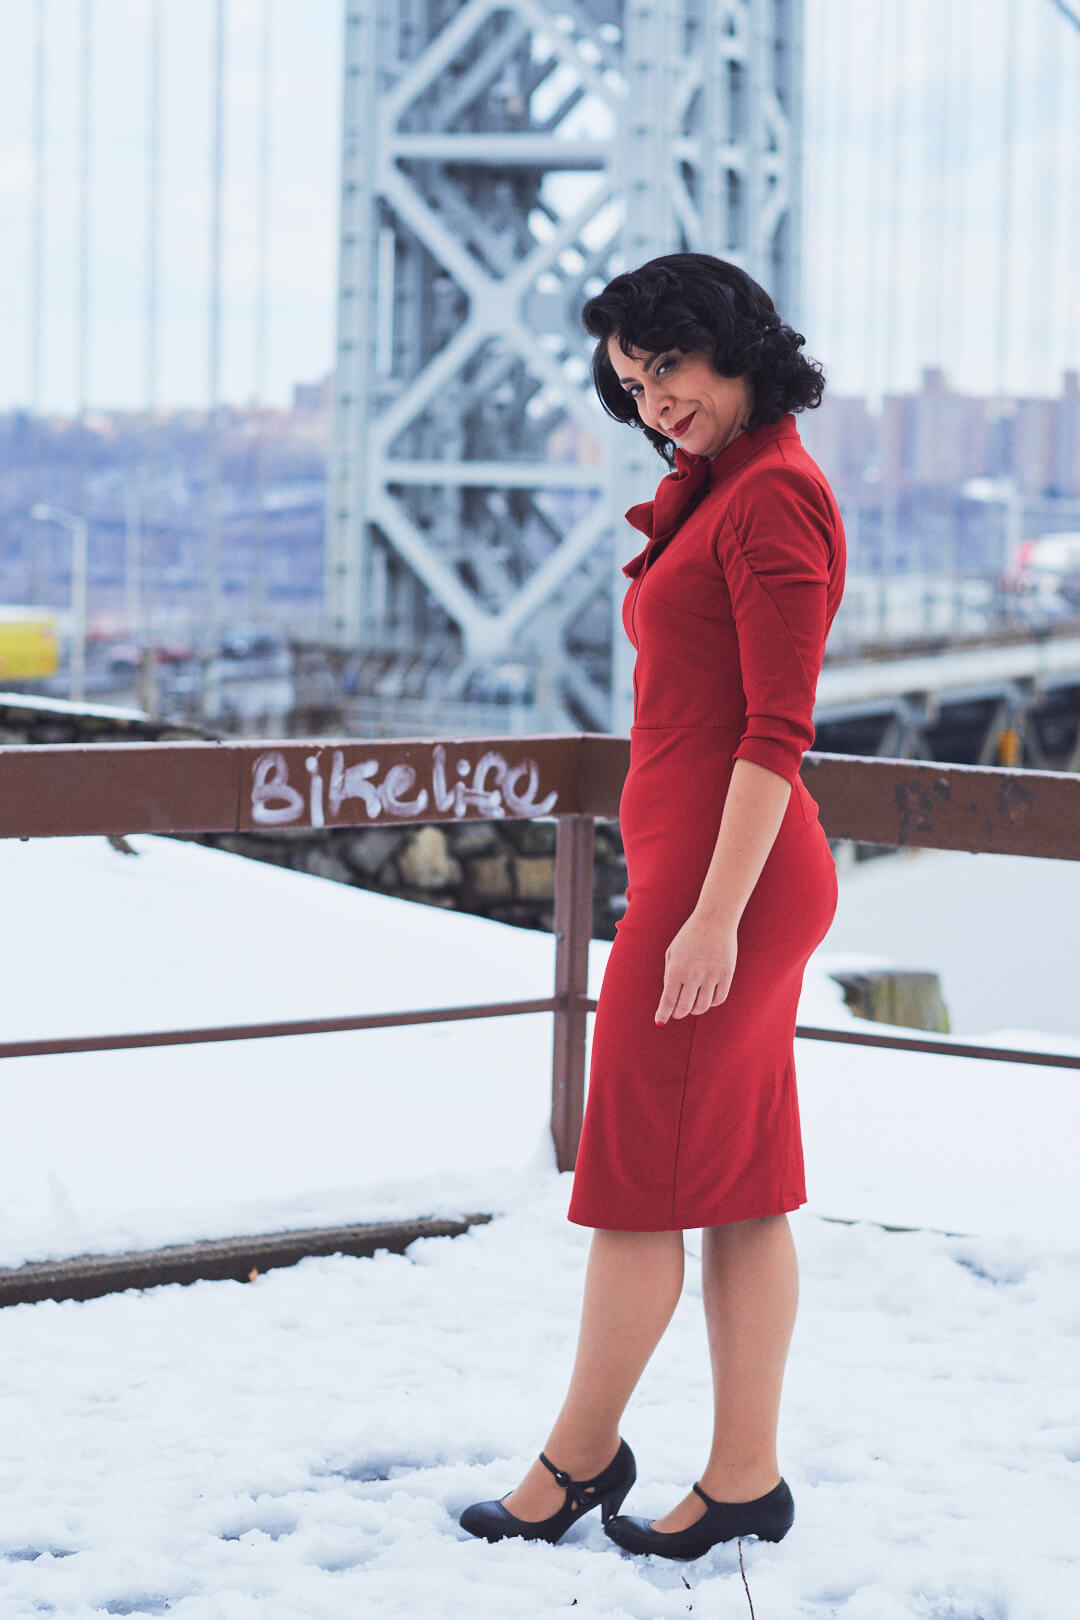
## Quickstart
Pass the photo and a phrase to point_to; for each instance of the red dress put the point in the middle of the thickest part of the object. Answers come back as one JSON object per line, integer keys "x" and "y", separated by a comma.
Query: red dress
{"x": 696, "y": 1122}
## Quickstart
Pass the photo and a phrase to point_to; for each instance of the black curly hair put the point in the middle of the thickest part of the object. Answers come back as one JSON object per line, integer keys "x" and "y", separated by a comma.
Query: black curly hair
{"x": 694, "y": 302}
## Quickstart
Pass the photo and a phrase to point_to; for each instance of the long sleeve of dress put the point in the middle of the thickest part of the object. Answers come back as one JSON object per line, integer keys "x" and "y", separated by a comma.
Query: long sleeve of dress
{"x": 775, "y": 553}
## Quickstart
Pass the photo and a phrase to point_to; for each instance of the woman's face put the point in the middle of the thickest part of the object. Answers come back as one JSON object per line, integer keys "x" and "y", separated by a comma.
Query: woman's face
{"x": 683, "y": 396}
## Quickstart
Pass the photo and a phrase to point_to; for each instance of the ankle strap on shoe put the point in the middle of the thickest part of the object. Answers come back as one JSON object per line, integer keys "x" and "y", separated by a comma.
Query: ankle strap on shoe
{"x": 562, "y": 1477}
{"x": 577, "y": 1496}
{"x": 708, "y": 1500}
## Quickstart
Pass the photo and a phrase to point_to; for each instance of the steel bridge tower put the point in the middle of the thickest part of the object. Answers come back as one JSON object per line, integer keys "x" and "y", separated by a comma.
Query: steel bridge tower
{"x": 502, "y": 160}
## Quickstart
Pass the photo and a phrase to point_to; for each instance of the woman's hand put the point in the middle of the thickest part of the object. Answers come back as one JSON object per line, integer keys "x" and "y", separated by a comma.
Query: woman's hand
{"x": 698, "y": 967}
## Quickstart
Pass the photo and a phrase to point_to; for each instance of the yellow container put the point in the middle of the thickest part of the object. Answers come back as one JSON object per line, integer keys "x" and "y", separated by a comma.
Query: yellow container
{"x": 28, "y": 649}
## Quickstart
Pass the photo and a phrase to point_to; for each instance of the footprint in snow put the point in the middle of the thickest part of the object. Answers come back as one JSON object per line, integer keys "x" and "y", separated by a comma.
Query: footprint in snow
{"x": 26, "y": 1555}
{"x": 151, "y": 1604}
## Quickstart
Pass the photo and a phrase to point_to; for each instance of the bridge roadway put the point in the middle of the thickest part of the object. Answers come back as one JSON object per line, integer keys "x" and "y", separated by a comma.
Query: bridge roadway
{"x": 1008, "y": 700}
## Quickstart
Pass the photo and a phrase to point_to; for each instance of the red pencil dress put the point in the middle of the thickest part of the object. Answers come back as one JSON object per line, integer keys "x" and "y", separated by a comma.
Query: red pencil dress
{"x": 696, "y": 1122}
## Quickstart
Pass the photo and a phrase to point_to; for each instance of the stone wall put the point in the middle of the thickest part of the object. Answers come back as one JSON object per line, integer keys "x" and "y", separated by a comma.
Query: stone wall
{"x": 26, "y": 719}
{"x": 499, "y": 869}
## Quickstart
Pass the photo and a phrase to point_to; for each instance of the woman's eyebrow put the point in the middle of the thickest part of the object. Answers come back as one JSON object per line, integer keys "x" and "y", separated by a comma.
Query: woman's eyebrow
{"x": 645, "y": 366}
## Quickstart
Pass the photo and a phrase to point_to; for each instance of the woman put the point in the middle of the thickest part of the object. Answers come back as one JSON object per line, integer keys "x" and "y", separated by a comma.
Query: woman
{"x": 692, "y": 1116}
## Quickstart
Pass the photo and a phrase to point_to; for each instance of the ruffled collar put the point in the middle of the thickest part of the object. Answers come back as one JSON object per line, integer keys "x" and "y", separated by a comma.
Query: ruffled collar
{"x": 674, "y": 496}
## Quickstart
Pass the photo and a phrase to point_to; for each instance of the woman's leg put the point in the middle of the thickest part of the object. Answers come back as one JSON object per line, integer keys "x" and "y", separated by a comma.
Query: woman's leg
{"x": 632, "y": 1286}
{"x": 750, "y": 1288}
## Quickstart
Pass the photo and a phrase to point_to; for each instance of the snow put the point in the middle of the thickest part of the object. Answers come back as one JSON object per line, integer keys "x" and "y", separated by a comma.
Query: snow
{"x": 238, "y": 1137}
{"x": 301, "y": 1446}
{"x": 1003, "y": 931}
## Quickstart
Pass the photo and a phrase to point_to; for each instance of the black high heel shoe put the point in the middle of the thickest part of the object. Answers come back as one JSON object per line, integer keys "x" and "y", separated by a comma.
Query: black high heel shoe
{"x": 608, "y": 1490}
{"x": 768, "y": 1517}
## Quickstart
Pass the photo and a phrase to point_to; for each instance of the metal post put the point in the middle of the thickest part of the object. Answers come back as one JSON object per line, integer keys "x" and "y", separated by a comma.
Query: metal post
{"x": 262, "y": 302}
{"x": 35, "y": 569}
{"x": 210, "y": 696}
{"x": 79, "y": 550}
{"x": 573, "y": 931}
{"x": 133, "y": 547}
{"x": 78, "y": 528}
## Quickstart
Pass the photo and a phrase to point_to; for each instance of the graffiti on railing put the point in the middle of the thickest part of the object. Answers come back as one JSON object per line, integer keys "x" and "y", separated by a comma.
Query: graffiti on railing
{"x": 491, "y": 787}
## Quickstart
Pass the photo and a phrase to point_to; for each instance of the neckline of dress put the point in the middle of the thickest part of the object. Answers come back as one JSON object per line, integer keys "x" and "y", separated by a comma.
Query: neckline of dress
{"x": 733, "y": 455}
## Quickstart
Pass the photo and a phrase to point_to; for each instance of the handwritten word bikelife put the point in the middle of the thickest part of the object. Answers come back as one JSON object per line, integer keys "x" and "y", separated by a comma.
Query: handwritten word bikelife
{"x": 492, "y": 788}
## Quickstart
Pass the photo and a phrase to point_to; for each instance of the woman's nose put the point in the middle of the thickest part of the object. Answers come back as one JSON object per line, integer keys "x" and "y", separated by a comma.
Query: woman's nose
{"x": 656, "y": 403}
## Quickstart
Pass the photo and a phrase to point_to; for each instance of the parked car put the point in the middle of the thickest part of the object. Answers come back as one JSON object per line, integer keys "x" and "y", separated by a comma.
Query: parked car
{"x": 1042, "y": 579}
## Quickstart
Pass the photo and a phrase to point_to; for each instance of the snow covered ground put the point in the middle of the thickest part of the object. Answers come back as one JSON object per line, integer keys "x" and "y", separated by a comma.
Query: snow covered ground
{"x": 301, "y": 1446}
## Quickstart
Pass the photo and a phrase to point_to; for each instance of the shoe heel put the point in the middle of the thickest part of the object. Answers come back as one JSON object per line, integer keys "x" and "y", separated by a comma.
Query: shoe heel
{"x": 771, "y": 1535}
{"x": 610, "y": 1505}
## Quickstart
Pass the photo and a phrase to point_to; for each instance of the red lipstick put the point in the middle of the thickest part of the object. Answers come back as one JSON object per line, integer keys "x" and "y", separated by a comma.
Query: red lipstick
{"x": 680, "y": 428}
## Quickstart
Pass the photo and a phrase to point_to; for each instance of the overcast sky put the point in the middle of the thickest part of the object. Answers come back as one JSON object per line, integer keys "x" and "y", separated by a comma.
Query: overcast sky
{"x": 908, "y": 201}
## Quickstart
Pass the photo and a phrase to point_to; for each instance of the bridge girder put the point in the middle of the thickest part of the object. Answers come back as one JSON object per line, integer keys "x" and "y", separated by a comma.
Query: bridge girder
{"x": 502, "y": 159}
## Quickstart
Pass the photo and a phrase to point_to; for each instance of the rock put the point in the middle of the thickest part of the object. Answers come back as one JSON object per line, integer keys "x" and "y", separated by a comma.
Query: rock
{"x": 370, "y": 848}
{"x": 530, "y": 837}
{"x": 472, "y": 837}
{"x": 534, "y": 876}
{"x": 490, "y": 877}
{"x": 426, "y": 863}
{"x": 323, "y": 863}
{"x": 902, "y": 996}
{"x": 520, "y": 916}
{"x": 607, "y": 841}
{"x": 425, "y": 897}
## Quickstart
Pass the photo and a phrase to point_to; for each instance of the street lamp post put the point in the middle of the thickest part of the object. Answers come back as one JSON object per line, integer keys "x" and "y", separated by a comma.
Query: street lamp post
{"x": 77, "y": 527}
{"x": 1003, "y": 492}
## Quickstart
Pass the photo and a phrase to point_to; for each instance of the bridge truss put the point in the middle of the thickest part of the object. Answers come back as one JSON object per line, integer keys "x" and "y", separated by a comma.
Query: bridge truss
{"x": 502, "y": 159}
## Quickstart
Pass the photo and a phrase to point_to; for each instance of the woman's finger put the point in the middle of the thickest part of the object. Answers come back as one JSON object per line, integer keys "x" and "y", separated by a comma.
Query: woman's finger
{"x": 677, "y": 998}
{"x": 687, "y": 997}
{"x": 668, "y": 999}
{"x": 705, "y": 998}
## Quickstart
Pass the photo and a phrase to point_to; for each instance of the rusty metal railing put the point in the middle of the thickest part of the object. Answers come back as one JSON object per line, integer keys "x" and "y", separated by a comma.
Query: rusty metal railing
{"x": 191, "y": 787}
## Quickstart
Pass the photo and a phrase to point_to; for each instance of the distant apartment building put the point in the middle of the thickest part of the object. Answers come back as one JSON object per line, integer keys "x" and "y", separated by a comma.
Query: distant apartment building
{"x": 840, "y": 436}
{"x": 938, "y": 438}
{"x": 1065, "y": 455}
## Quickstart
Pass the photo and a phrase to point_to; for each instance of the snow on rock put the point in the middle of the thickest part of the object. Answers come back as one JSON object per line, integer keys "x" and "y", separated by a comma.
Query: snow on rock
{"x": 1003, "y": 932}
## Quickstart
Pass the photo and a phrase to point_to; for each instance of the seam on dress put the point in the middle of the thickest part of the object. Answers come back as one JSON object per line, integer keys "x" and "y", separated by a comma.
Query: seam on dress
{"x": 762, "y": 585}
{"x": 677, "y": 607}
{"x": 735, "y": 726}
{"x": 678, "y": 1128}
{"x": 759, "y": 582}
